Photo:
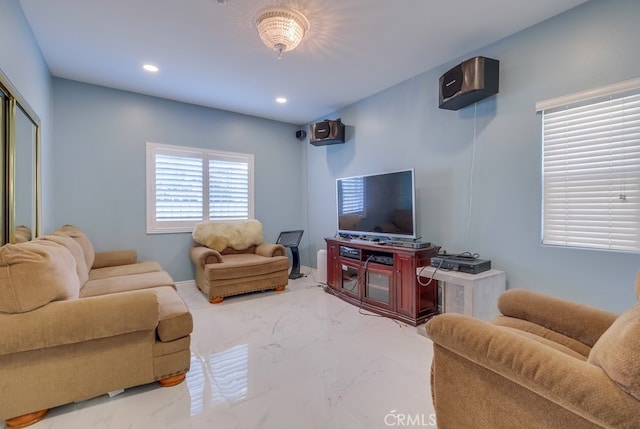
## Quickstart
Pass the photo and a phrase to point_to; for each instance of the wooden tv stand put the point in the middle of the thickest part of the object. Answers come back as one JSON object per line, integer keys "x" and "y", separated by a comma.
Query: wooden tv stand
{"x": 382, "y": 279}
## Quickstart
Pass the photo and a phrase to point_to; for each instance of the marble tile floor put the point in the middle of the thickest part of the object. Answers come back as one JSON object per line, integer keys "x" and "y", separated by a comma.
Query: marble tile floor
{"x": 300, "y": 359}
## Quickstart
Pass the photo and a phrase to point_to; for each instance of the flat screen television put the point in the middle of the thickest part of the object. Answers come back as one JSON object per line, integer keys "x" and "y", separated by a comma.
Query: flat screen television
{"x": 379, "y": 205}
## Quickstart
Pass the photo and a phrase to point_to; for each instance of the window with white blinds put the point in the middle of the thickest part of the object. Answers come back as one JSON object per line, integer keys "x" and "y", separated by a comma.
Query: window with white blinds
{"x": 228, "y": 189}
{"x": 189, "y": 185}
{"x": 591, "y": 168}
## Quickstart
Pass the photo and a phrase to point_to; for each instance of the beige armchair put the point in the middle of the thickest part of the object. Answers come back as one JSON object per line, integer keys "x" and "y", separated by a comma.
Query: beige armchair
{"x": 544, "y": 363}
{"x": 230, "y": 258}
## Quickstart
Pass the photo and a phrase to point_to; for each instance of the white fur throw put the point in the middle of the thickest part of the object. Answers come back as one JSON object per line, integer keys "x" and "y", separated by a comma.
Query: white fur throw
{"x": 218, "y": 235}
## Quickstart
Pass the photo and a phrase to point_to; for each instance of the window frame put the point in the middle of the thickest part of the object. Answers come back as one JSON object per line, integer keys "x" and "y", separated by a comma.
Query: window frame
{"x": 164, "y": 227}
{"x": 574, "y": 142}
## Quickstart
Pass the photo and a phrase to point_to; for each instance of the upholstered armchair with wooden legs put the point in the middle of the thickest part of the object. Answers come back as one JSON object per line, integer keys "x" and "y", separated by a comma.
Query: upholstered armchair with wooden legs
{"x": 230, "y": 258}
{"x": 544, "y": 363}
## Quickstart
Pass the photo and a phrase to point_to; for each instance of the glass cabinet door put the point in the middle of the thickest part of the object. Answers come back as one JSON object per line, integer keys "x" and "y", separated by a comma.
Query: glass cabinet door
{"x": 378, "y": 286}
{"x": 349, "y": 279}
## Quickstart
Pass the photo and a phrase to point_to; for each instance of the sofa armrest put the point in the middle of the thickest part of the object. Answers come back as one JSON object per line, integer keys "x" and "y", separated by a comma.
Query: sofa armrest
{"x": 270, "y": 249}
{"x": 114, "y": 258}
{"x": 573, "y": 384}
{"x": 74, "y": 321}
{"x": 580, "y": 322}
{"x": 201, "y": 256}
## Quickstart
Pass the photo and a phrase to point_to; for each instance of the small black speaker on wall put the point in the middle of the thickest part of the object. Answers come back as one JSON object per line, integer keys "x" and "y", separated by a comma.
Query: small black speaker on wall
{"x": 301, "y": 134}
{"x": 470, "y": 81}
{"x": 327, "y": 132}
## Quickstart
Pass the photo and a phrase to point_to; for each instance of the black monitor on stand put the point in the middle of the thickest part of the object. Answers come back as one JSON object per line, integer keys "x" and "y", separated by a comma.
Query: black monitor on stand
{"x": 291, "y": 239}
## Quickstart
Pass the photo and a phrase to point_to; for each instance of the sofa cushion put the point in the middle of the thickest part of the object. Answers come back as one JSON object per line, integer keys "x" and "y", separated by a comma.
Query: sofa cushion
{"x": 218, "y": 235}
{"x": 271, "y": 249}
{"x": 126, "y": 283}
{"x": 246, "y": 265}
{"x": 542, "y": 332}
{"x": 75, "y": 321}
{"x": 74, "y": 248}
{"x": 617, "y": 351}
{"x": 33, "y": 274}
{"x": 113, "y": 258}
{"x": 548, "y": 342}
{"x": 125, "y": 270}
{"x": 82, "y": 239}
{"x": 174, "y": 320}
{"x": 558, "y": 315}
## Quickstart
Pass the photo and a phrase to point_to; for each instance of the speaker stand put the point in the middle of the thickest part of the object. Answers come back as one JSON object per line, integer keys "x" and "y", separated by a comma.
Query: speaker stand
{"x": 295, "y": 264}
{"x": 291, "y": 239}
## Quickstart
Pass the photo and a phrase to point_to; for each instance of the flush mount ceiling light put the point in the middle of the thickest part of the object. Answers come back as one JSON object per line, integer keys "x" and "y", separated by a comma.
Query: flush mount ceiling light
{"x": 281, "y": 28}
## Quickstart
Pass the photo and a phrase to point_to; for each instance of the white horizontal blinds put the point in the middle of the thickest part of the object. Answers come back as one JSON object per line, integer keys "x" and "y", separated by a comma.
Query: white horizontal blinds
{"x": 591, "y": 173}
{"x": 229, "y": 187}
{"x": 179, "y": 188}
{"x": 352, "y": 195}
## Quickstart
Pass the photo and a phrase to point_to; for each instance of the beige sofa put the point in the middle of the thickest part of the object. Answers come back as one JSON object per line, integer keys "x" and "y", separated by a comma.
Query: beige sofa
{"x": 77, "y": 324}
{"x": 544, "y": 363}
{"x": 230, "y": 258}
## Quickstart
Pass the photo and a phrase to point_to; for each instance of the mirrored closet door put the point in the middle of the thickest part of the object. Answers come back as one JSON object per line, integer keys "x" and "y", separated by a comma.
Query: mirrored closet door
{"x": 20, "y": 163}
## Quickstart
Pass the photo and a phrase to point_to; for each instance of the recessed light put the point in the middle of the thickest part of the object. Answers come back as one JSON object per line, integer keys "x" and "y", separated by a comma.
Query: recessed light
{"x": 281, "y": 100}
{"x": 150, "y": 68}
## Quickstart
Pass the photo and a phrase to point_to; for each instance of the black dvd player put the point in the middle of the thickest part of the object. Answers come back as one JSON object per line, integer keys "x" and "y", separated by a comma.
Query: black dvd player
{"x": 382, "y": 259}
{"x": 463, "y": 265}
{"x": 350, "y": 252}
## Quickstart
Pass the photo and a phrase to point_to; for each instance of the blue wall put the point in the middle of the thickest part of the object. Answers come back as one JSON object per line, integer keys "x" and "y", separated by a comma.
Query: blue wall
{"x": 22, "y": 63}
{"x": 99, "y": 166}
{"x": 477, "y": 169}
{"x": 490, "y": 202}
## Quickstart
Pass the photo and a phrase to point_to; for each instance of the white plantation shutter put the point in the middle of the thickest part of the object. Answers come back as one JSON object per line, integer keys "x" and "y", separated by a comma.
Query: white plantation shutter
{"x": 189, "y": 185}
{"x": 591, "y": 169}
{"x": 179, "y": 188}
{"x": 228, "y": 189}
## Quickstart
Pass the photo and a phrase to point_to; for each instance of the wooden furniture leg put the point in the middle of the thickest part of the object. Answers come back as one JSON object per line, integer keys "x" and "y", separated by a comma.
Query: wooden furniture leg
{"x": 279, "y": 288}
{"x": 172, "y": 380}
{"x": 26, "y": 419}
{"x": 216, "y": 300}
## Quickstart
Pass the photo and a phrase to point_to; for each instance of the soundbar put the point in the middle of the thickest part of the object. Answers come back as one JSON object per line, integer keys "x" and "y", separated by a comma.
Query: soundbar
{"x": 463, "y": 265}
{"x": 410, "y": 244}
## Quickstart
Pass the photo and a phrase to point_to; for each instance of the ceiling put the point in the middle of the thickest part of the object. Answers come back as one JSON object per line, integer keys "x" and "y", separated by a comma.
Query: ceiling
{"x": 209, "y": 53}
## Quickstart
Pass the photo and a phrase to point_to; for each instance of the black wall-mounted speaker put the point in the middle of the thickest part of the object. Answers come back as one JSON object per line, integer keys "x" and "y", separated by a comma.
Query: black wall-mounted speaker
{"x": 301, "y": 134}
{"x": 327, "y": 132}
{"x": 468, "y": 82}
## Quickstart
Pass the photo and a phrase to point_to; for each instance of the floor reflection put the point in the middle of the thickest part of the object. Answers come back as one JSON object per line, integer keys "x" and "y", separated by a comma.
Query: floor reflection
{"x": 229, "y": 370}
{"x": 197, "y": 382}
{"x": 300, "y": 358}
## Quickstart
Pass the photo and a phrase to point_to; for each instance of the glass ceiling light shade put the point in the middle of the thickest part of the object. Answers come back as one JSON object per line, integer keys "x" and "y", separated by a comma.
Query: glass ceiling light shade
{"x": 281, "y": 29}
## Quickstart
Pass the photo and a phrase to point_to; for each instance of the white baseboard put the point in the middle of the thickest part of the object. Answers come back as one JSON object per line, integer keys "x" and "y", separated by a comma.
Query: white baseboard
{"x": 185, "y": 283}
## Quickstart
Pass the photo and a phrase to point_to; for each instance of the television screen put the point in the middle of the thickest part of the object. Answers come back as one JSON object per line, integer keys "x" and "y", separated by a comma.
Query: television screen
{"x": 377, "y": 204}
